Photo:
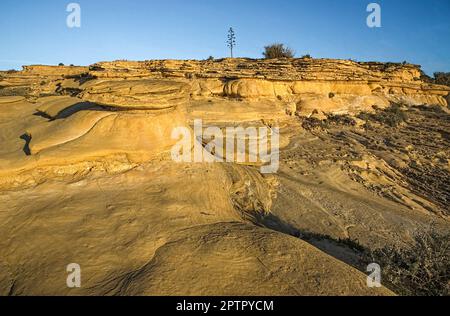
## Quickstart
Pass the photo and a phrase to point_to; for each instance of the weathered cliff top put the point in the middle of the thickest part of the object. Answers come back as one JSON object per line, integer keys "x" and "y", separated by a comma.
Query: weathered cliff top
{"x": 236, "y": 68}
{"x": 218, "y": 77}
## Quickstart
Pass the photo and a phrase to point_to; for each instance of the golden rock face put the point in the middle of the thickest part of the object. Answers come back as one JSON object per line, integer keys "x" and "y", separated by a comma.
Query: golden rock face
{"x": 86, "y": 176}
{"x": 148, "y": 94}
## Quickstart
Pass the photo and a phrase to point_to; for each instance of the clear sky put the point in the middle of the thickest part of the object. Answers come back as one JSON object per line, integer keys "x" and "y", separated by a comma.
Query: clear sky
{"x": 35, "y": 31}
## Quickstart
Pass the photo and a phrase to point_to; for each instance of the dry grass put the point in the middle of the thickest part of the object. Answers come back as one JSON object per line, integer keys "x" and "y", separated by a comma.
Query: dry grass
{"x": 420, "y": 270}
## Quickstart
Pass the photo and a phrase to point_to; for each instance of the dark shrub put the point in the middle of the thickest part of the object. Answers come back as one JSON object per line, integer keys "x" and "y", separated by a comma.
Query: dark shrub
{"x": 310, "y": 123}
{"x": 442, "y": 78}
{"x": 278, "y": 51}
{"x": 391, "y": 116}
{"x": 422, "y": 269}
{"x": 340, "y": 119}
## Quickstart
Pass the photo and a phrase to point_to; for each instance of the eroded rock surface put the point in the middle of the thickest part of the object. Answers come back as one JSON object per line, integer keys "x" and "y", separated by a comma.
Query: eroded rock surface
{"x": 86, "y": 175}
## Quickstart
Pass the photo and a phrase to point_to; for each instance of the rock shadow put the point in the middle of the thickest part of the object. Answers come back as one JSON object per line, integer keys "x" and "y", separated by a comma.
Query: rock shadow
{"x": 75, "y": 108}
{"x": 26, "y": 148}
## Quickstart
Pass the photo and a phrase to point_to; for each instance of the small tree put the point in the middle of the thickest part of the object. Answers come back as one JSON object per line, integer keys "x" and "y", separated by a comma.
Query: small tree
{"x": 278, "y": 51}
{"x": 231, "y": 40}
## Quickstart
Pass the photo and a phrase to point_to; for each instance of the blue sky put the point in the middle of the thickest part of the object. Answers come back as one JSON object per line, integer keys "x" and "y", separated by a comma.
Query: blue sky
{"x": 35, "y": 31}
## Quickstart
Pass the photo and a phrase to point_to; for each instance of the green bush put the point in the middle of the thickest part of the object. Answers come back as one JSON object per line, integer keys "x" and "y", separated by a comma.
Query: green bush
{"x": 278, "y": 51}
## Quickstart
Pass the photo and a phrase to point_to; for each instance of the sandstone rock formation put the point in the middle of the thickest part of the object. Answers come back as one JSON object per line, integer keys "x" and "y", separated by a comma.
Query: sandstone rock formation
{"x": 86, "y": 176}
{"x": 281, "y": 78}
